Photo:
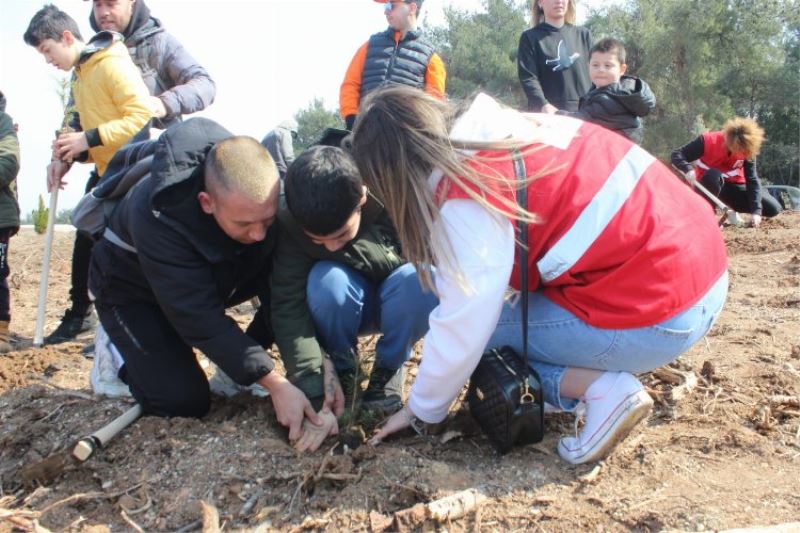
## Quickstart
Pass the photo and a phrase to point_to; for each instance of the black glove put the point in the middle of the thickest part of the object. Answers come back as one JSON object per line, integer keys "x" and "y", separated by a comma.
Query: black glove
{"x": 349, "y": 120}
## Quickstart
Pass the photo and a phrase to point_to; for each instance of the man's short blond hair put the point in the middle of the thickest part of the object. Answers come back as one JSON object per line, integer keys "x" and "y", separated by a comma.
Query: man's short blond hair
{"x": 243, "y": 165}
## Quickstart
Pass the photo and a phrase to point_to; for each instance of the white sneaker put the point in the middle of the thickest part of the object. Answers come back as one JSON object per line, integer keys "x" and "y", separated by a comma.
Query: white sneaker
{"x": 105, "y": 367}
{"x": 221, "y": 384}
{"x": 734, "y": 219}
{"x": 614, "y": 404}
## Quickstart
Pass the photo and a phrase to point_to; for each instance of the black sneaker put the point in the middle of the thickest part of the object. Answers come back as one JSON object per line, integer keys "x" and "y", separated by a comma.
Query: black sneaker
{"x": 384, "y": 394}
{"x": 72, "y": 325}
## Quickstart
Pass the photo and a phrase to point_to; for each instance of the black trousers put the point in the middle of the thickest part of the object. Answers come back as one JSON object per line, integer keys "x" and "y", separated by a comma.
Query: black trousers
{"x": 81, "y": 257}
{"x": 735, "y": 195}
{"x": 160, "y": 368}
{"x": 5, "y": 297}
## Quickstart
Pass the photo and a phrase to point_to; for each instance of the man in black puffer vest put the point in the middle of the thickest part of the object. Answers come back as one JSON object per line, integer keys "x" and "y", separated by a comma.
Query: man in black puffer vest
{"x": 400, "y": 54}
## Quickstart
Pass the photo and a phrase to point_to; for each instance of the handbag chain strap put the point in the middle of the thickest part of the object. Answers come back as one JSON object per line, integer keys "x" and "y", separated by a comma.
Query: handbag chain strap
{"x": 522, "y": 239}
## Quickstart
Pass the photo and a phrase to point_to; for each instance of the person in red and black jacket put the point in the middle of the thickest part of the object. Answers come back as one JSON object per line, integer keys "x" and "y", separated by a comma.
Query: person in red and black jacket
{"x": 725, "y": 163}
{"x": 398, "y": 55}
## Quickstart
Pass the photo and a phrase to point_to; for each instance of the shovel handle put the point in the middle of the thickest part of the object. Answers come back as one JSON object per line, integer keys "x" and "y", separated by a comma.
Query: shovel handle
{"x": 87, "y": 445}
{"x": 38, "y": 334}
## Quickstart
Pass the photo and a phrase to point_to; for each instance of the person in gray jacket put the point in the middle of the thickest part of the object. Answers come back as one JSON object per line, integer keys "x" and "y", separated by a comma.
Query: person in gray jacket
{"x": 280, "y": 145}
{"x": 178, "y": 85}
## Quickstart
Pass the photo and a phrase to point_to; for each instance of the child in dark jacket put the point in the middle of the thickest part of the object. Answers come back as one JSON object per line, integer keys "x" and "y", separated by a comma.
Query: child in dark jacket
{"x": 614, "y": 101}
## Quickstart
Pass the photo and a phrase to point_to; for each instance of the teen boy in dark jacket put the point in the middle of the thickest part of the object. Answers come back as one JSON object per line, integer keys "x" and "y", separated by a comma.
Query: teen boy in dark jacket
{"x": 338, "y": 273}
{"x": 192, "y": 238}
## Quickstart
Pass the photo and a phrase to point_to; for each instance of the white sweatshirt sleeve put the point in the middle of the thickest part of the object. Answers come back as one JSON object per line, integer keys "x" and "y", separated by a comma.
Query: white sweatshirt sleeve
{"x": 461, "y": 325}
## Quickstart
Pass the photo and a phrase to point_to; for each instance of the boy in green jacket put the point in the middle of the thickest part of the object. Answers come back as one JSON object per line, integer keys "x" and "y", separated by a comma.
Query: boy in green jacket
{"x": 338, "y": 273}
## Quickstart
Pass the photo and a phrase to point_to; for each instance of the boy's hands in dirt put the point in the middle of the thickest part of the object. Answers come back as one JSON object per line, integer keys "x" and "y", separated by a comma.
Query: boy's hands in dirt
{"x": 315, "y": 434}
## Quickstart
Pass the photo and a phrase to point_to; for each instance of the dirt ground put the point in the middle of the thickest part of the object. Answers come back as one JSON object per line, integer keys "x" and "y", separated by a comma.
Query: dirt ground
{"x": 722, "y": 454}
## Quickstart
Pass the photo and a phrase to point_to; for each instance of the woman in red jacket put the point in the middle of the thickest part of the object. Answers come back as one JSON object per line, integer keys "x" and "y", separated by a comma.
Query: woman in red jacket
{"x": 627, "y": 270}
{"x": 725, "y": 163}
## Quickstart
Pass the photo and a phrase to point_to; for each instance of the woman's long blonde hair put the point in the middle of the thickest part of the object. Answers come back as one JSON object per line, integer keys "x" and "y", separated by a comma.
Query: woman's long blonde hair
{"x": 400, "y": 137}
{"x": 743, "y": 136}
{"x": 538, "y": 13}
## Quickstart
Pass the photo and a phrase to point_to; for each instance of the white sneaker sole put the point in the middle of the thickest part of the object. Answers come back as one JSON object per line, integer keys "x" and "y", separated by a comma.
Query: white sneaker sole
{"x": 616, "y": 427}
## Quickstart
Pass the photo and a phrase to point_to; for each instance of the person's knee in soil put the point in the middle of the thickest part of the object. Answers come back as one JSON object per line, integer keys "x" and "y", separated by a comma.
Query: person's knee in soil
{"x": 339, "y": 250}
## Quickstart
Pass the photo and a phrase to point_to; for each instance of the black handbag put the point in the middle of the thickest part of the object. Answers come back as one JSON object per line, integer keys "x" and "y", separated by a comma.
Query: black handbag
{"x": 505, "y": 393}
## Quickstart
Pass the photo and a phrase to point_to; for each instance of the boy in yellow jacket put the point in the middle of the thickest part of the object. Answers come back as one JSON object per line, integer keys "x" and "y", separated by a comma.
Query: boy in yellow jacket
{"x": 110, "y": 107}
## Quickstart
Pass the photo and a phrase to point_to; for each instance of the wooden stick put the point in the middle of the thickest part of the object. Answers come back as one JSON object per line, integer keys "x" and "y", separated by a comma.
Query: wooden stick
{"x": 87, "y": 445}
{"x": 38, "y": 334}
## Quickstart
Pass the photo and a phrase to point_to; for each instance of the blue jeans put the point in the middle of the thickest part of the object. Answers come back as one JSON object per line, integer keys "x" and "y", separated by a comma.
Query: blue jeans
{"x": 557, "y": 339}
{"x": 345, "y": 304}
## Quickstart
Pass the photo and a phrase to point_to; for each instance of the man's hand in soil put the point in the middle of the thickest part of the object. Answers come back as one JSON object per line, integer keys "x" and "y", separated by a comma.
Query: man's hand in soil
{"x": 55, "y": 172}
{"x": 755, "y": 221}
{"x": 334, "y": 397}
{"x": 71, "y": 145}
{"x": 314, "y": 435}
{"x": 291, "y": 405}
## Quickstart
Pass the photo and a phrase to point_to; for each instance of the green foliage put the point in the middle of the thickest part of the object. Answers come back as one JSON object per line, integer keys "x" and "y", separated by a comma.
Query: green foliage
{"x": 706, "y": 61}
{"x": 64, "y": 216}
{"x": 39, "y": 217}
{"x": 312, "y": 121}
{"x": 709, "y": 60}
{"x": 480, "y": 50}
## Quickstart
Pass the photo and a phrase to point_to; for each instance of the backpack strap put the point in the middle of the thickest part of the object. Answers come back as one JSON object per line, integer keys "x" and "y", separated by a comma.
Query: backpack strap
{"x": 522, "y": 239}
{"x": 115, "y": 239}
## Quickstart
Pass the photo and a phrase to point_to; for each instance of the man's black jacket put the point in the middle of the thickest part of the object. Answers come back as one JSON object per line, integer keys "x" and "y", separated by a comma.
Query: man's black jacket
{"x": 183, "y": 261}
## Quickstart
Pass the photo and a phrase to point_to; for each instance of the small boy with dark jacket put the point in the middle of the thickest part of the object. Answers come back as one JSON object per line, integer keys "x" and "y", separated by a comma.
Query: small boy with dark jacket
{"x": 614, "y": 101}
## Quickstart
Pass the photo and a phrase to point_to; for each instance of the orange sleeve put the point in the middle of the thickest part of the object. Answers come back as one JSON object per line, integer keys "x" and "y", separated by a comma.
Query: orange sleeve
{"x": 435, "y": 77}
{"x": 350, "y": 91}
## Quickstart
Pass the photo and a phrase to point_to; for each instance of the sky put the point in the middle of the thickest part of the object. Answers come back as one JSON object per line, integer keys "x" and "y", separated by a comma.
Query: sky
{"x": 269, "y": 59}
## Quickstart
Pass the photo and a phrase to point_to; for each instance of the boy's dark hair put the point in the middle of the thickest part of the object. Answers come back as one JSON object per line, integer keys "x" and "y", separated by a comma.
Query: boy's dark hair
{"x": 50, "y": 23}
{"x": 610, "y": 45}
{"x": 323, "y": 189}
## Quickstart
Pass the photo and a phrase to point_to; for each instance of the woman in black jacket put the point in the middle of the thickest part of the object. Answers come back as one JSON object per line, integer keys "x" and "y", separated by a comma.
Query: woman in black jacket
{"x": 552, "y": 58}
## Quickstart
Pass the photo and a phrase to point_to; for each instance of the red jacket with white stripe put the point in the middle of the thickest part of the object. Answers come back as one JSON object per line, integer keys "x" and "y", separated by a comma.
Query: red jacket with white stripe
{"x": 622, "y": 243}
{"x": 716, "y": 155}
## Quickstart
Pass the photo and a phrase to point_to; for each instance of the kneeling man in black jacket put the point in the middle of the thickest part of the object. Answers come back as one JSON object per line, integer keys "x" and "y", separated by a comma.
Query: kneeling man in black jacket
{"x": 194, "y": 237}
